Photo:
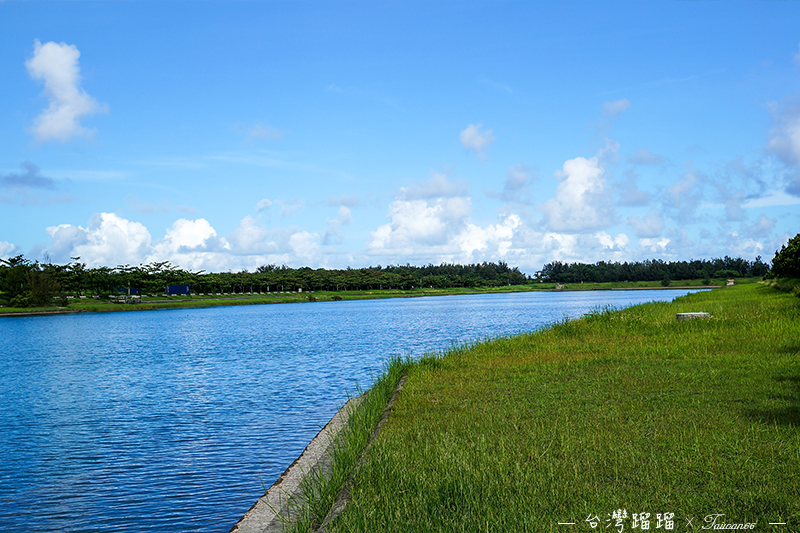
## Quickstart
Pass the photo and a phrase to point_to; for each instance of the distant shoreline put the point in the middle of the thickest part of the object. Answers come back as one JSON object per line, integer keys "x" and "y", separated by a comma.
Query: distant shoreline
{"x": 93, "y": 306}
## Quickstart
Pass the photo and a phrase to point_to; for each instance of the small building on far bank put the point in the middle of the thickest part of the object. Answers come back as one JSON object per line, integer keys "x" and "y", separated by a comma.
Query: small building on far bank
{"x": 177, "y": 290}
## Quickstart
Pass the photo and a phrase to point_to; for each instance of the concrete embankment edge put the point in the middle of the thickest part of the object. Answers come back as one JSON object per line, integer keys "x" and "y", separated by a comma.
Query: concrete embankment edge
{"x": 275, "y": 507}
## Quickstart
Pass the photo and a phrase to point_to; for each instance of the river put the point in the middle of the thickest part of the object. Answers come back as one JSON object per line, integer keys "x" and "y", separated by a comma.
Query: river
{"x": 171, "y": 420}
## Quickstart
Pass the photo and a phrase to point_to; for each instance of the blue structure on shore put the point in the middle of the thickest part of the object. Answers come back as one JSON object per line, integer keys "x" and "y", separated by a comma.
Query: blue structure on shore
{"x": 178, "y": 289}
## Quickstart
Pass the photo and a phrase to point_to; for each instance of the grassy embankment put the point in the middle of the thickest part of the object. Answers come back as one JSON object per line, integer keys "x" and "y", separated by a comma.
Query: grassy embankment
{"x": 174, "y": 302}
{"x": 626, "y": 409}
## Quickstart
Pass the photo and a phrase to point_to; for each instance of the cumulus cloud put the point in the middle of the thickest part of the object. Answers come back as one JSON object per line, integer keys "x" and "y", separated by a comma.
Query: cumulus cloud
{"x": 264, "y": 204}
{"x": 250, "y": 238}
{"x": 8, "y": 250}
{"x": 474, "y": 140}
{"x": 111, "y": 240}
{"x": 304, "y": 246}
{"x": 656, "y": 246}
{"x": 442, "y": 231}
{"x": 64, "y": 238}
{"x": 186, "y": 236}
{"x": 419, "y": 224}
{"x": 615, "y": 108}
{"x": 495, "y": 240}
{"x": 616, "y": 244}
{"x": 56, "y": 65}
{"x": 784, "y": 140}
{"x": 108, "y": 240}
{"x": 581, "y": 202}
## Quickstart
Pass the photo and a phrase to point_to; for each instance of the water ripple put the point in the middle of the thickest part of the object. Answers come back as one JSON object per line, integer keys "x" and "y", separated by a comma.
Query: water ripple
{"x": 171, "y": 420}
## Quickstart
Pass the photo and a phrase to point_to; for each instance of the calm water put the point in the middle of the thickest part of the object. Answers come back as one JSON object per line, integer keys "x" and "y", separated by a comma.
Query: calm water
{"x": 171, "y": 420}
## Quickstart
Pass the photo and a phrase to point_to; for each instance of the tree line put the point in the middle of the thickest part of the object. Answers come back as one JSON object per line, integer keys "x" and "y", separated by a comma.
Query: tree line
{"x": 652, "y": 270}
{"x": 25, "y": 283}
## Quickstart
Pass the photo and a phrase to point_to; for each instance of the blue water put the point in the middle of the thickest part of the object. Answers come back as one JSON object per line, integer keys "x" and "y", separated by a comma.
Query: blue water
{"x": 171, "y": 420}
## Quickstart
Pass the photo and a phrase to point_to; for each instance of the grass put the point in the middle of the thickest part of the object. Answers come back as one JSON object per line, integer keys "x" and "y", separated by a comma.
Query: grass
{"x": 320, "y": 489}
{"x": 627, "y": 409}
{"x": 176, "y": 302}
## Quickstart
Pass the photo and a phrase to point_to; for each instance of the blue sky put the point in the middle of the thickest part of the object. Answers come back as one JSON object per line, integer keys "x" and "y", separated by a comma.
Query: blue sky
{"x": 227, "y": 135}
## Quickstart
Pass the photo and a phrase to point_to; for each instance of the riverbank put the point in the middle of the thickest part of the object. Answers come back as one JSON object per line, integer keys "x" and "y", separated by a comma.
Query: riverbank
{"x": 103, "y": 305}
{"x": 619, "y": 417}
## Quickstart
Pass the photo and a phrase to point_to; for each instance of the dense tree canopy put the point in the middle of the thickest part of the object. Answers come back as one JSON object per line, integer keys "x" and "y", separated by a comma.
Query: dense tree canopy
{"x": 24, "y": 283}
{"x": 787, "y": 260}
{"x": 652, "y": 270}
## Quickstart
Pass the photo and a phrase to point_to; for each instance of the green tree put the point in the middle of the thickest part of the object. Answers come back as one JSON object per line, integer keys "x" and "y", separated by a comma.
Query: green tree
{"x": 786, "y": 263}
{"x": 13, "y": 285}
{"x": 42, "y": 284}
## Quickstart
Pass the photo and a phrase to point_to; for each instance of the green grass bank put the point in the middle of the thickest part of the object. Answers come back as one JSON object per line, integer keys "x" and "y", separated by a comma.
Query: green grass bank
{"x": 623, "y": 410}
{"x": 101, "y": 304}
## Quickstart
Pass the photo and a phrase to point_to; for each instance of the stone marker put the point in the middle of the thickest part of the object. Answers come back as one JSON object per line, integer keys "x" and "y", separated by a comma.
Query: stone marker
{"x": 689, "y": 316}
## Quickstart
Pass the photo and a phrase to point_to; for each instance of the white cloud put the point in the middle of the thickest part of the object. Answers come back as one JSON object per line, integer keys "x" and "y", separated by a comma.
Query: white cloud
{"x": 496, "y": 239}
{"x": 643, "y": 156}
{"x": 656, "y": 246}
{"x": 349, "y": 200}
{"x": 772, "y": 199}
{"x": 630, "y": 195}
{"x": 784, "y": 140}
{"x": 109, "y": 240}
{"x": 581, "y": 202}
{"x": 438, "y": 186}
{"x": 420, "y": 225}
{"x": 615, "y": 108}
{"x": 57, "y": 66}
{"x": 187, "y": 236}
{"x": 517, "y": 185}
{"x": 473, "y": 140}
{"x": 290, "y": 208}
{"x": 332, "y": 232}
{"x": 287, "y": 208}
{"x": 618, "y": 243}
{"x": 760, "y": 229}
{"x": 191, "y": 244}
{"x": 249, "y": 238}
{"x": 304, "y": 247}
{"x": 64, "y": 238}
{"x": 7, "y": 250}
{"x": 648, "y": 226}
{"x": 684, "y": 197}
